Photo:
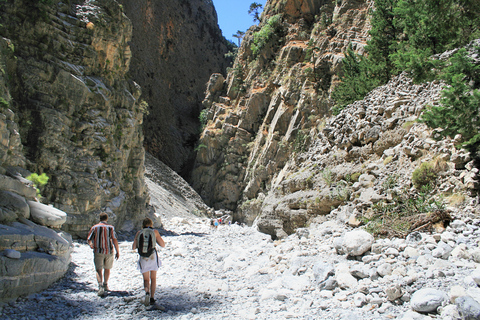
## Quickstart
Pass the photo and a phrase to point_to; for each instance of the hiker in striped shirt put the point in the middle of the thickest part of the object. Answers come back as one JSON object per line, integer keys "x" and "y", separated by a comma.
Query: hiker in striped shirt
{"x": 102, "y": 238}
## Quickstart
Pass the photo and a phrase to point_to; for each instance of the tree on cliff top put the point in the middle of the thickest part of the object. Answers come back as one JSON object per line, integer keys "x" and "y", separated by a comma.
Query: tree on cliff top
{"x": 255, "y": 7}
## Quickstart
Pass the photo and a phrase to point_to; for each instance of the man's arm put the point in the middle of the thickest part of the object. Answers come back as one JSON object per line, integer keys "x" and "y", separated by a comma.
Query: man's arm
{"x": 89, "y": 238}
{"x": 115, "y": 243}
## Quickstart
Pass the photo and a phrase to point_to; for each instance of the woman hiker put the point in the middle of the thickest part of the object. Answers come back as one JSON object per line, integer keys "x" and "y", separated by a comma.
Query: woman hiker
{"x": 148, "y": 262}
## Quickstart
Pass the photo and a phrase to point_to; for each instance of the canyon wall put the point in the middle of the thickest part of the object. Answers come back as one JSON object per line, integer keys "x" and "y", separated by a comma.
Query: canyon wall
{"x": 72, "y": 111}
{"x": 176, "y": 46}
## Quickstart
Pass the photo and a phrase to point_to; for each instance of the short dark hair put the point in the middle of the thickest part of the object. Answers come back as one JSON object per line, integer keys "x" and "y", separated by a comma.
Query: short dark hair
{"x": 147, "y": 222}
{"x": 103, "y": 216}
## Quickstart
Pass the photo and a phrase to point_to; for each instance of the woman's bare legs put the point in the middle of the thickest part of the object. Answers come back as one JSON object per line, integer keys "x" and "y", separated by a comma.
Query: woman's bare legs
{"x": 153, "y": 282}
{"x": 146, "y": 281}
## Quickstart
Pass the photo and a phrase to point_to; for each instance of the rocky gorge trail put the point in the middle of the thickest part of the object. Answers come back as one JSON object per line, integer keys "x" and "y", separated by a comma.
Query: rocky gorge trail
{"x": 325, "y": 271}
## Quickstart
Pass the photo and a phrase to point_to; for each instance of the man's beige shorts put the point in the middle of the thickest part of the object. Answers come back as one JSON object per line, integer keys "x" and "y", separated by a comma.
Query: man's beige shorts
{"x": 103, "y": 261}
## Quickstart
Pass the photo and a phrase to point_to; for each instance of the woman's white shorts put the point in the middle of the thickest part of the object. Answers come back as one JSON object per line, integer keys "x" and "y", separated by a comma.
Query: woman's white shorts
{"x": 151, "y": 263}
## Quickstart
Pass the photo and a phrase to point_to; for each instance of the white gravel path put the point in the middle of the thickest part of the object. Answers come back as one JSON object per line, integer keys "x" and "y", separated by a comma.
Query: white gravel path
{"x": 232, "y": 272}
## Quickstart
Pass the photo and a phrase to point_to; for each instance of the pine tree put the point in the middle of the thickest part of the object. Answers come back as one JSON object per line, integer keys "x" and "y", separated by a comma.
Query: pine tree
{"x": 458, "y": 112}
{"x": 357, "y": 80}
{"x": 384, "y": 36}
{"x": 430, "y": 27}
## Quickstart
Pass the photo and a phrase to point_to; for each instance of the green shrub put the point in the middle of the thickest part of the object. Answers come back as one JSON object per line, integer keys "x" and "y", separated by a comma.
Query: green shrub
{"x": 38, "y": 181}
{"x": 203, "y": 119}
{"x": 424, "y": 175}
{"x": 261, "y": 38}
{"x": 355, "y": 176}
{"x": 401, "y": 215}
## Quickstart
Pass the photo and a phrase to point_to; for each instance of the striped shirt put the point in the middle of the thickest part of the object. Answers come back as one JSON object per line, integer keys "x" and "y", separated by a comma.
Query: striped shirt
{"x": 101, "y": 235}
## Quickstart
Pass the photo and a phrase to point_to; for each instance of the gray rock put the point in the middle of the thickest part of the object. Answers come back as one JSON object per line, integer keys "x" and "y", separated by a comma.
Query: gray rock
{"x": 427, "y": 300}
{"x": 468, "y": 308}
{"x": 322, "y": 271}
{"x": 384, "y": 269}
{"x": 360, "y": 271}
{"x": 476, "y": 276}
{"x": 414, "y": 237}
{"x": 443, "y": 250}
{"x": 12, "y": 254}
{"x": 14, "y": 206}
{"x": 475, "y": 255}
{"x": 394, "y": 292}
{"x": 46, "y": 215}
{"x": 357, "y": 242}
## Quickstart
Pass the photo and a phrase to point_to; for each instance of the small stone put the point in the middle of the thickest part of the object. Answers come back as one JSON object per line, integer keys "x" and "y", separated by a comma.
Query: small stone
{"x": 427, "y": 300}
{"x": 476, "y": 276}
{"x": 12, "y": 254}
{"x": 394, "y": 292}
{"x": 455, "y": 292}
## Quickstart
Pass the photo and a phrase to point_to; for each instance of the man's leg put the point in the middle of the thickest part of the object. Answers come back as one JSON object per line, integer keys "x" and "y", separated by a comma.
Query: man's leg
{"x": 106, "y": 276}
{"x": 107, "y": 265}
{"x": 100, "y": 276}
{"x": 101, "y": 290}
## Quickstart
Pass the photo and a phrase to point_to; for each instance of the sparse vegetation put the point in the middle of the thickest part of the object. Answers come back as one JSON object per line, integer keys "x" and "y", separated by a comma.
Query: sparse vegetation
{"x": 261, "y": 38}
{"x": 38, "y": 181}
{"x": 327, "y": 176}
{"x": 203, "y": 119}
{"x": 424, "y": 175}
{"x": 407, "y": 212}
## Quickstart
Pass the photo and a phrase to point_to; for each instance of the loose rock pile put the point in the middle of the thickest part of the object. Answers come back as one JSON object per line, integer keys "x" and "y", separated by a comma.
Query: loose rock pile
{"x": 326, "y": 271}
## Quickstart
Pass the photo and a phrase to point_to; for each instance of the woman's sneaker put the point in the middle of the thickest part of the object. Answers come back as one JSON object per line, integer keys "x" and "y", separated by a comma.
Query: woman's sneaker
{"x": 147, "y": 300}
{"x": 152, "y": 301}
{"x": 105, "y": 287}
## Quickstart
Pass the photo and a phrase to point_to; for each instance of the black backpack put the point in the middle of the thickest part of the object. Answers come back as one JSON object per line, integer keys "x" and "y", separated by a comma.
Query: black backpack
{"x": 146, "y": 242}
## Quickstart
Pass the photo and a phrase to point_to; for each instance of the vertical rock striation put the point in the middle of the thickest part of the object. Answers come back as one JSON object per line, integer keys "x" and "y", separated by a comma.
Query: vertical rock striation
{"x": 77, "y": 114}
{"x": 276, "y": 92}
{"x": 273, "y": 153}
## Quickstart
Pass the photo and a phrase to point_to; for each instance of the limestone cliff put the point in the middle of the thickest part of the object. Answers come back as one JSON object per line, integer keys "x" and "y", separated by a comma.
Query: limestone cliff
{"x": 272, "y": 151}
{"x": 176, "y": 46}
{"x": 274, "y": 95}
{"x": 69, "y": 110}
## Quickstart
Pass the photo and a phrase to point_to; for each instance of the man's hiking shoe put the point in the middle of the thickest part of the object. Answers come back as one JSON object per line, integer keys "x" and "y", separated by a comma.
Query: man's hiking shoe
{"x": 147, "y": 300}
{"x": 101, "y": 291}
{"x": 152, "y": 301}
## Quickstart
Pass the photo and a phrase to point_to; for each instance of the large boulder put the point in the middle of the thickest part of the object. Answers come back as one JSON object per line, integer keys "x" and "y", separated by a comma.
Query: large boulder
{"x": 46, "y": 215}
{"x": 13, "y": 206}
{"x": 32, "y": 257}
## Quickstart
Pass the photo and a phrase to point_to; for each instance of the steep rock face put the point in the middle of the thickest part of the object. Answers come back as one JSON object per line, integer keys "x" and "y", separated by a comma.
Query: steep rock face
{"x": 273, "y": 153}
{"x": 176, "y": 46}
{"x": 274, "y": 96}
{"x": 70, "y": 105}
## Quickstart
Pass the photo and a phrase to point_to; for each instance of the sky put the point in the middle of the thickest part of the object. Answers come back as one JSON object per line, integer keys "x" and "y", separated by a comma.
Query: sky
{"x": 233, "y": 16}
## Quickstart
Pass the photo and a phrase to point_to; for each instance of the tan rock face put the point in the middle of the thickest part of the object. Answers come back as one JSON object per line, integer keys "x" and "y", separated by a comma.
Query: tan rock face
{"x": 71, "y": 110}
{"x": 294, "y": 8}
{"x": 272, "y": 151}
{"x": 278, "y": 99}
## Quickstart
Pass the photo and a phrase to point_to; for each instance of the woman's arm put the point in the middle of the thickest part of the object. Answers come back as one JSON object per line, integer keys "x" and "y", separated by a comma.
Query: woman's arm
{"x": 160, "y": 241}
